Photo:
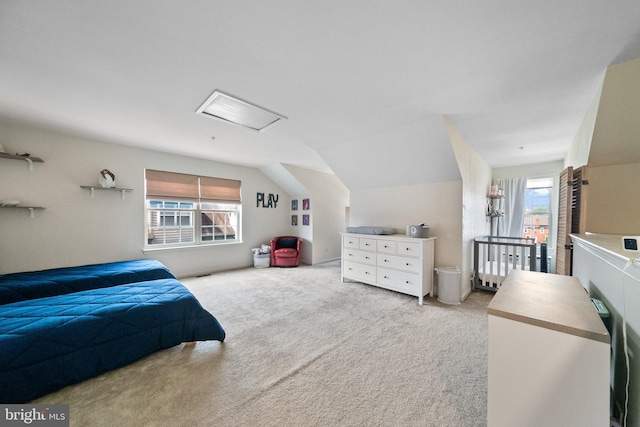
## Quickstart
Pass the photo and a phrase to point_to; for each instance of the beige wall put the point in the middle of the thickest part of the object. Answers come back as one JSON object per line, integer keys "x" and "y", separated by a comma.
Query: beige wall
{"x": 76, "y": 229}
{"x": 476, "y": 179}
{"x": 613, "y": 205}
{"x": 328, "y": 199}
{"x": 436, "y": 204}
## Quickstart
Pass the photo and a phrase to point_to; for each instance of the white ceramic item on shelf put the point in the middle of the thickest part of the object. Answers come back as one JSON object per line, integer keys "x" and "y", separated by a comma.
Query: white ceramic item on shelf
{"x": 107, "y": 179}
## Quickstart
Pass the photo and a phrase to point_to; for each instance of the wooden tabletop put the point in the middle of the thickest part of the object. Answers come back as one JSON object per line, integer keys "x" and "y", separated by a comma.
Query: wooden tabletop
{"x": 550, "y": 301}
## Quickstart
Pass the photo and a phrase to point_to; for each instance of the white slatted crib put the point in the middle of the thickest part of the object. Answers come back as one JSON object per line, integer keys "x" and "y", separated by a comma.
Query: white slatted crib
{"x": 496, "y": 256}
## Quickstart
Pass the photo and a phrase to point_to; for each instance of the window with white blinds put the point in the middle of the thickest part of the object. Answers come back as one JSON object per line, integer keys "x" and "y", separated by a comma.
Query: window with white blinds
{"x": 183, "y": 209}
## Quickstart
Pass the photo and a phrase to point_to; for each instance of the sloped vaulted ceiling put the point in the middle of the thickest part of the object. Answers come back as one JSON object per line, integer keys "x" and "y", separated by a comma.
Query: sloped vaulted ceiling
{"x": 364, "y": 83}
{"x": 616, "y": 135}
{"x": 415, "y": 153}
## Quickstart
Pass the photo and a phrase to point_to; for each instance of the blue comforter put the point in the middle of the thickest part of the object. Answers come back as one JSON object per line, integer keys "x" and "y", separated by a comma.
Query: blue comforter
{"x": 51, "y": 342}
{"x": 45, "y": 283}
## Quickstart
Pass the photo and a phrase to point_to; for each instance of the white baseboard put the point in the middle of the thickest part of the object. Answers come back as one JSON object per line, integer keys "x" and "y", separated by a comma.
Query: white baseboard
{"x": 324, "y": 261}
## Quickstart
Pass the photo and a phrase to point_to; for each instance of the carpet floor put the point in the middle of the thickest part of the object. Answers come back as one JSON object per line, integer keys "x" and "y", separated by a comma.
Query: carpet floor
{"x": 303, "y": 349}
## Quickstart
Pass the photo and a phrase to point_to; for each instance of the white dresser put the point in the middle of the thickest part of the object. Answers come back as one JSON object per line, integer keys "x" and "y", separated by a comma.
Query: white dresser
{"x": 396, "y": 262}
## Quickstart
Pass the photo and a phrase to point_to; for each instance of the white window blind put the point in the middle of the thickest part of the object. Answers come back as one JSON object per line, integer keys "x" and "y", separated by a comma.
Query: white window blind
{"x": 173, "y": 185}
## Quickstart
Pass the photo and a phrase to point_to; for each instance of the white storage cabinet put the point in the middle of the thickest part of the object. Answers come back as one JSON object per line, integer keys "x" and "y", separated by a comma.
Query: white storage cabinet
{"x": 548, "y": 354}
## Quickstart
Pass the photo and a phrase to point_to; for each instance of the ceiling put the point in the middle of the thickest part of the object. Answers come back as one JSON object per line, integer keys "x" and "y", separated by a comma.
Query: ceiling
{"x": 365, "y": 85}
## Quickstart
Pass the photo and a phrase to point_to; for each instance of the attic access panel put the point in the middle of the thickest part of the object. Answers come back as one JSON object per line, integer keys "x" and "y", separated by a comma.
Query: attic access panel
{"x": 231, "y": 109}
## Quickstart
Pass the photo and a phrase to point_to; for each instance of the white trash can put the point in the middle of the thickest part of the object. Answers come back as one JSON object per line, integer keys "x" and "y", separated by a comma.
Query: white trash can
{"x": 448, "y": 285}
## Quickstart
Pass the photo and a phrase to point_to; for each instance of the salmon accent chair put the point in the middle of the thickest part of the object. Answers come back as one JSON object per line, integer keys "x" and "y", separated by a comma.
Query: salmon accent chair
{"x": 285, "y": 251}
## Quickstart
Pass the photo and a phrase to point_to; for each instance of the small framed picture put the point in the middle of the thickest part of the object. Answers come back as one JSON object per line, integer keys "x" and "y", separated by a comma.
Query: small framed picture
{"x": 294, "y": 219}
{"x": 305, "y": 219}
{"x": 294, "y": 205}
{"x": 305, "y": 204}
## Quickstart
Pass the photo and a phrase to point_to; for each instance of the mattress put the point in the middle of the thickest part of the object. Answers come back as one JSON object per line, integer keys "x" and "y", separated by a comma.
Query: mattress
{"x": 491, "y": 270}
{"x": 364, "y": 229}
{"x": 45, "y": 283}
{"x": 49, "y": 343}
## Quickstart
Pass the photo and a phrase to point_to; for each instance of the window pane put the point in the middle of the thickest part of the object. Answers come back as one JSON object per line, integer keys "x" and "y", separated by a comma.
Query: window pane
{"x": 185, "y": 219}
{"x": 206, "y": 219}
{"x": 217, "y": 225}
{"x": 167, "y": 218}
{"x": 224, "y": 229}
{"x": 218, "y": 206}
{"x": 537, "y": 210}
{"x": 187, "y": 235}
{"x": 169, "y": 227}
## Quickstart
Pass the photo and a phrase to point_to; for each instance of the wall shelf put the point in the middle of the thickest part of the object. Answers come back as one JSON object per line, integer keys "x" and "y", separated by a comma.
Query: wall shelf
{"x": 93, "y": 189}
{"x": 31, "y": 209}
{"x": 494, "y": 206}
{"x": 495, "y": 211}
{"x": 30, "y": 160}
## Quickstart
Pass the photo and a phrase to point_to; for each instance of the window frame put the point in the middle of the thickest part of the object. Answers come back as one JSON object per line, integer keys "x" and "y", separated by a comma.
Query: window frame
{"x": 530, "y": 228}
{"x": 196, "y": 208}
{"x": 196, "y": 225}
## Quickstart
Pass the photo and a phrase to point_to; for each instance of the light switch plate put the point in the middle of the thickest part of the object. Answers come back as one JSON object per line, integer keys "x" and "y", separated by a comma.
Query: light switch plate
{"x": 630, "y": 243}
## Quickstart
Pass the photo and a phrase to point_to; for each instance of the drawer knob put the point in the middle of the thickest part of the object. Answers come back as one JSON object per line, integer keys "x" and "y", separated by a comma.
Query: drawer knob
{"x": 407, "y": 264}
{"x": 386, "y": 277}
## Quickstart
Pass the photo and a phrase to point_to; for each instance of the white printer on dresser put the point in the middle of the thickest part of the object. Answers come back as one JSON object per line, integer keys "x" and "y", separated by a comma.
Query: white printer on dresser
{"x": 396, "y": 262}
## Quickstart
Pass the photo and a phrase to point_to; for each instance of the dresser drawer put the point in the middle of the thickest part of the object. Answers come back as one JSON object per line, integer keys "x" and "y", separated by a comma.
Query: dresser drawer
{"x": 350, "y": 242}
{"x": 401, "y": 263}
{"x": 359, "y": 256}
{"x": 409, "y": 249}
{"x": 387, "y": 246}
{"x": 399, "y": 280}
{"x": 367, "y": 244}
{"x": 362, "y": 272}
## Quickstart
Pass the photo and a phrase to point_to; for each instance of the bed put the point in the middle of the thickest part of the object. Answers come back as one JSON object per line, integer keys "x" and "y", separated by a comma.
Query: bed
{"x": 58, "y": 281}
{"x": 496, "y": 256}
{"x": 50, "y": 342}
